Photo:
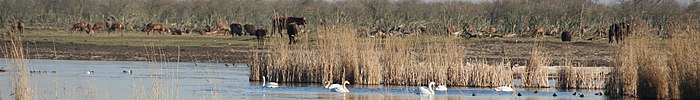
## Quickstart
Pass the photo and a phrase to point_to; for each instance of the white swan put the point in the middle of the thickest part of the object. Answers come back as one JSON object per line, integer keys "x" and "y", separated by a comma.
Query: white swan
{"x": 330, "y": 86}
{"x": 441, "y": 88}
{"x": 503, "y": 88}
{"x": 429, "y": 90}
{"x": 342, "y": 88}
{"x": 270, "y": 84}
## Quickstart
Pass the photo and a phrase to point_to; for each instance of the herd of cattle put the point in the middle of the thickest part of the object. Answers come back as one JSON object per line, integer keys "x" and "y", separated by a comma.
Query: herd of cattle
{"x": 615, "y": 32}
{"x": 291, "y": 24}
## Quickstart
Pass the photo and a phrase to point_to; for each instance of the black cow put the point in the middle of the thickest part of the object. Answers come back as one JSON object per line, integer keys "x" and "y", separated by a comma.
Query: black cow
{"x": 293, "y": 32}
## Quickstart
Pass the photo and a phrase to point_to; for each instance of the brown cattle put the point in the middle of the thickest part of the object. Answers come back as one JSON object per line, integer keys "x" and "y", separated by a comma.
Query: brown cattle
{"x": 601, "y": 32}
{"x": 292, "y": 33}
{"x": 554, "y": 30}
{"x": 21, "y": 26}
{"x": 250, "y": 29}
{"x": 222, "y": 27}
{"x": 89, "y": 29}
{"x": 260, "y": 34}
{"x": 493, "y": 30}
{"x": 236, "y": 29}
{"x": 99, "y": 25}
{"x": 116, "y": 26}
{"x": 150, "y": 27}
{"x": 281, "y": 23}
{"x": 80, "y": 26}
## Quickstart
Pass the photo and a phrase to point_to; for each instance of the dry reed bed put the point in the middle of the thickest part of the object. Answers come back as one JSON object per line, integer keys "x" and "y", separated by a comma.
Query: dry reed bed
{"x": 336, "y": 53}
{"x": 648, "y": 68}
{"x": 18, "y": 68}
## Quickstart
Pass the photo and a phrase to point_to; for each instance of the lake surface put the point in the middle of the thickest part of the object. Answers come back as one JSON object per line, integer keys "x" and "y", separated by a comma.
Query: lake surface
{"x": 207, "y": 81}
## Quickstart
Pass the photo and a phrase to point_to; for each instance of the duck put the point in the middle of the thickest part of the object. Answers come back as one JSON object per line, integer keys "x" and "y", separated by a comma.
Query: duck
{"x": 503, "y": 88}
{"x": 341, "y": 89}
{"x": 127, "y": 71}
{"x": 89, "y": 71}
{"x": 428, "y": 90}
{"x": 554, "y": 95}
{"x": 270, "y": 84}
{"x": 520, "y": 94}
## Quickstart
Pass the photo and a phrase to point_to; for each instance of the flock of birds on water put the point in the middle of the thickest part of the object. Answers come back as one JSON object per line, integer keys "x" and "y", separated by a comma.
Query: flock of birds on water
{"x": 428, "y": 90}
{"x": 342, "y": 88}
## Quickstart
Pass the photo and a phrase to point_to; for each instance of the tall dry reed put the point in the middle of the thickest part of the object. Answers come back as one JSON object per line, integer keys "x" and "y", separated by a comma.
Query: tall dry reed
{"x": 337, "y": 53}
{"x": 18, "y": 68}
{"x": 537, "y": 71}
{"x": 647, "y": 67}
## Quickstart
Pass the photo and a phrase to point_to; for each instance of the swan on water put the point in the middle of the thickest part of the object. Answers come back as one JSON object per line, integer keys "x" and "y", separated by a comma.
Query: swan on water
{"x": 442, "y": 87}
{"x": 330, "y": 86}
{"x": 428, "y": 90}
{"x": 503, "y": 88}
{"x": 342, "y": 88}
{"x": 270, "y": 84}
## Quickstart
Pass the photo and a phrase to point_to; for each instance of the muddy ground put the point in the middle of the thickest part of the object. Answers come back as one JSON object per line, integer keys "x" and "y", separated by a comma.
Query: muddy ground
{"x": 494, "y": 50}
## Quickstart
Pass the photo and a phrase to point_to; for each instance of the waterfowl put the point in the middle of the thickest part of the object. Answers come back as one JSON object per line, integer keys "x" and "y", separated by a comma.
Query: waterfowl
{"x": 342, "y": 88}
{"x": 535, "y": 92}
{"x": 554, "y": 95}
{"x": 574, "y": 93}
{"x": 520, "y": 94}
{"x": 330, "y": 86}
{"x": 473, "y": 94}
{"x": 127, "y": 71}
{"x": 89, "y": 71}
{"x": 428, "y": 90}
{"x": 581, "y": 96}
{"x": 503, "y": 88}
{"x": 599, "y": 93}
{"x": 270, "y": 84}
{"x": 441, "y": 88}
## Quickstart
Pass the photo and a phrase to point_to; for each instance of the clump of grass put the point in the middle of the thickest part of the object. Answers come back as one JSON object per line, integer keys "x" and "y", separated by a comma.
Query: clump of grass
{"x": 336, "y": 53}
{"x": 485, "y": 75}
{"x": 647, "y": 68}
{"x": 537, "y": 72}
{"x": 20, "y": 78}
{"x": 684, "y": 52}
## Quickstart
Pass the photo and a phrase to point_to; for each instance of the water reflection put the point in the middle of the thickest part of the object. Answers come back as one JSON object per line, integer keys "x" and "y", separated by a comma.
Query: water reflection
{"x": 190, "y": 81}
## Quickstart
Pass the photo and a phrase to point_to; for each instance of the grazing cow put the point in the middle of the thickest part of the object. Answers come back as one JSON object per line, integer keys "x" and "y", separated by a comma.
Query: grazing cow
{"x": 236, "y": 29}
{"x": 293, "y": 32}
{"x": 89, "y": 29}
{"x": 80, "y": 26}
{"x": 175, "y": 31}
{"x": 554, "y": 30}
{"x": 20, "y": 26}
{"x": 260, "y": 34}
{"x": 99, "y": 25}
{"x": 281, "y": 23}
{"x": 539, "y": 31}
{"x": 250, "y": 29}
{"x": 566, "y": 36}
{"x": 150, "y": 27}
{"x": 493, "y": 30}
{"x": 601, "y": 32}
{"x": 618, "y": 31}
{"x": 223, "y": 27}
{"x": 583, "y": 31}
{"x": 116, "y": 26}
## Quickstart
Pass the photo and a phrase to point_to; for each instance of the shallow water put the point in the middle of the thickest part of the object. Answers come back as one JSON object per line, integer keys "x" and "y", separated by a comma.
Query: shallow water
{"x": 196, "y": 81}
